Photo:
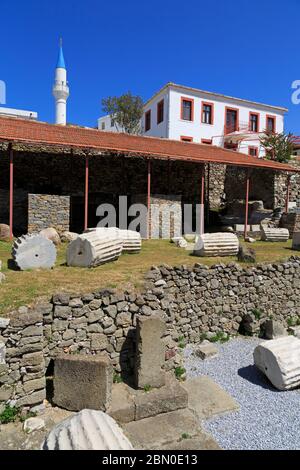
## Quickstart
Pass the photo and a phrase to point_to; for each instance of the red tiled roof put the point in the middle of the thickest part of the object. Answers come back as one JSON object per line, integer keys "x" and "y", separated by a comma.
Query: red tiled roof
{"x": 31, "y": 132}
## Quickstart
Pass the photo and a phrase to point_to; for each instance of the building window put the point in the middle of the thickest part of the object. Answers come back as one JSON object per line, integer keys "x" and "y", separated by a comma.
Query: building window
{"x": 185, "y": 138}
{"x": 254, "y": 122}
{"x": 231, "y": 120}
{"x": 148, "y": 120}
{"x": 206, "y": 141}
{"x": 112, "y": 123}
{"x": 271, "y": 124}
{"x": 207, "y": 113}
{"x": 187, "y": 109}
{"x": 253, "y": 151}
{"x": 103, "y": 126}
{"x": 160, "y": 111}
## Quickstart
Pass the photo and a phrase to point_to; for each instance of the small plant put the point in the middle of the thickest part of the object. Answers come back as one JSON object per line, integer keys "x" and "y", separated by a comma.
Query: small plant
{"x": 117, "y": 378}
{"x": 203, "y": 336}
{"x": 291, "y": 321}
{"x": 257, "y": 313}
{"x": 220, "y": 337}
{"x": 185, "y": 435}
{"x": 179, "y": 372}
{"x": 9, "y": 415}
{"x": 147, "y": 388}
{"x": 181, "y": 342}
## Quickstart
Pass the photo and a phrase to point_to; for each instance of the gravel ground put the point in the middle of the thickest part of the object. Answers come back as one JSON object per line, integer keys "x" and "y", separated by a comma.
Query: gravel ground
{"x": 267, "y": 419}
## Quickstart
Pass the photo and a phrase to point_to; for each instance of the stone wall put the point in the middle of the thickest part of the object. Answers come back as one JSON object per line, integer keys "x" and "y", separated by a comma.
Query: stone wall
{"x": 165, "y": 214}
{"x": 46, "y": 210}
{"x": 290, "y": 221}
{"x": 194, "y": 302}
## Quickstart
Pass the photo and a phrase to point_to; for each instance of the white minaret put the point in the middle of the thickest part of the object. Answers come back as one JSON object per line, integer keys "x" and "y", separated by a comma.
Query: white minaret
{"x": 61, "y": 89}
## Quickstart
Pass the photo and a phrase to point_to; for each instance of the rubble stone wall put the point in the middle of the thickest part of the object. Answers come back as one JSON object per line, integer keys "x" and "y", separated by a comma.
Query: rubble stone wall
{"x": 194, "y": 302}
{"x": 46, "y": 210}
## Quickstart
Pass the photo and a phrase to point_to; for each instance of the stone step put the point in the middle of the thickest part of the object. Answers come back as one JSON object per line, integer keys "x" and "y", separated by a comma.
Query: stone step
{"x": 163, "y": 431}
{"x": 207, "y": 399}
{"x": 132, "y": 405}
{"x": 201, "y": 442}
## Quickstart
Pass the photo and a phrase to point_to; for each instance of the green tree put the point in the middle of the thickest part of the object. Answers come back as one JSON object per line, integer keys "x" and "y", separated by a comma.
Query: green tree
{"x": 126, "y": 111}
{"x": 278, "y": 147}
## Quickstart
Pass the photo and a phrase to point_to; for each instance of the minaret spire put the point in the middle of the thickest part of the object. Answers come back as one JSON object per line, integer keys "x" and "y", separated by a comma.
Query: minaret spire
{"x": 61, "y": 89}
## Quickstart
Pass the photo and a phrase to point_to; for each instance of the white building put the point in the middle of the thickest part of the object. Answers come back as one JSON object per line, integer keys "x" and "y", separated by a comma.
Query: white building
{"x": 191, "y": 115}
{"x": 18, "y": 113}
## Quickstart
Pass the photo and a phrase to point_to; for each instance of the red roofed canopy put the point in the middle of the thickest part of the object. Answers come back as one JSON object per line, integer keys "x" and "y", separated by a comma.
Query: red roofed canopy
{"x": 31, "y": 132}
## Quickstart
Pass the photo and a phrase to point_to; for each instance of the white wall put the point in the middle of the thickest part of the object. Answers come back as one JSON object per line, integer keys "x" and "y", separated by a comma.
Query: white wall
{"x": 18, "y": 113}
{"x": 215, "y": 131}
{"x": 107, "y": 125}
{"x": 161, "y": 129}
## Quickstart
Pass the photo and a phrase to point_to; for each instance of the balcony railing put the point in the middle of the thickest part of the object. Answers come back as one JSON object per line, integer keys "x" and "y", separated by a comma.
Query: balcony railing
{"x": 239, "y": 127}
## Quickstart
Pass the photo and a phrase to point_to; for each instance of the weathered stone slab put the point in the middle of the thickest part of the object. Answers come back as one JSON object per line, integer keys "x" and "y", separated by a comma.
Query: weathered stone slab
{"x": 296, "y": 241}
{"x": 206, "y": 350}
{"x": 21, "y": 320}
{"x": 33, "y": 424}
{"x": 206, "y": 398}
{"x": 150, "y": 352}
{"x": 162, "y": 430}
{"x": 82, "y": 382}
{"x": 202, "y": 442}
{"x": 217, "y": 244}
{"x": 87, "y": 430}
{"x": 279, "y": 360}
{"x": 170, "y": 397}
{"x": 122, "y": 407}
{"x": 33, "y": 399}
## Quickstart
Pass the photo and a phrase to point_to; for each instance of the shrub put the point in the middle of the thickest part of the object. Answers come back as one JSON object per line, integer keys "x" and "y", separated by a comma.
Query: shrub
{"x": 9, "y": 415}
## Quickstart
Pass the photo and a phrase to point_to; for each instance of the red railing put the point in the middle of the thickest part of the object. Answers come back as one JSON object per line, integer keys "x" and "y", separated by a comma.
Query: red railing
{"x": 238, "y": 127}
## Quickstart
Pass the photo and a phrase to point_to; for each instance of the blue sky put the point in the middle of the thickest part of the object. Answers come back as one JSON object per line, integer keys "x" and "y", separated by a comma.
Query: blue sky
{"x": 244, "y": 48}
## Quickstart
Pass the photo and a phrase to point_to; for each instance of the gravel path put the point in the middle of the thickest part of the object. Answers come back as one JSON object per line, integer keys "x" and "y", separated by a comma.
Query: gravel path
{"x": 268, "y": 419}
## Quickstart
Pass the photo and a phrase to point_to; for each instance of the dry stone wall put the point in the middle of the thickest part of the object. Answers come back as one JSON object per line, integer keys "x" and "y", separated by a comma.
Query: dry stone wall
{"x": 193, "y": 301}
{"x": 46, "y": 210}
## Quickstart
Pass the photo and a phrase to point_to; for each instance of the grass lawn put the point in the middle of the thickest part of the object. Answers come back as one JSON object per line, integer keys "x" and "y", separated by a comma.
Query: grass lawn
{"x": 26, "y": 287}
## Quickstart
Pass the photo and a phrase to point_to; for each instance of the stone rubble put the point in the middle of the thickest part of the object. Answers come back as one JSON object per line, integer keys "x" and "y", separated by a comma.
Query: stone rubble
{"x": 194, "y": 302}
{"x": 33, "y": 424}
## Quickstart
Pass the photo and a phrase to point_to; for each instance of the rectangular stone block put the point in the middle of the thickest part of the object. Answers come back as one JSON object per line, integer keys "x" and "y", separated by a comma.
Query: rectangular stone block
{"x": 33, "y": 399}
{"x": 170, "y": 397}
{"x": 241, "y": 228}
{"x": 82, "y": 382}
{"x": 150, "y": 352}
{"x": 296, "y": 241}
